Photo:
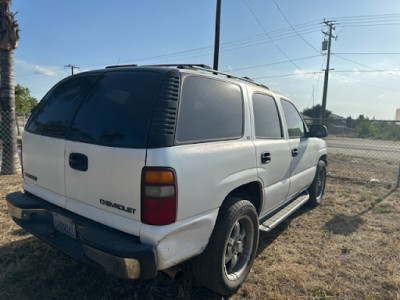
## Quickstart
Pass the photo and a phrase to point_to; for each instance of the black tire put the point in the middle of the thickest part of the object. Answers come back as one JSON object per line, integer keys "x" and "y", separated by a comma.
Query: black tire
{"x": 229, "y": 255}
{"x": 317, "y": 188}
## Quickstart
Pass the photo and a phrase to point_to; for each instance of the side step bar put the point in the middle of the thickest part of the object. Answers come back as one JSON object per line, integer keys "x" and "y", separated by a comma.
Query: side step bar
{"x": 282, "y": 214}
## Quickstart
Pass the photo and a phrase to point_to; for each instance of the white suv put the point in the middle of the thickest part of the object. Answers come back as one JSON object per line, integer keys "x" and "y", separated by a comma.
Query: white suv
{"x": 137, "y": 169}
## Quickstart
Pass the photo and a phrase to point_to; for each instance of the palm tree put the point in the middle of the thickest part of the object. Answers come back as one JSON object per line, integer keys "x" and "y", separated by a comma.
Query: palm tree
{"x": 9, "y": 36}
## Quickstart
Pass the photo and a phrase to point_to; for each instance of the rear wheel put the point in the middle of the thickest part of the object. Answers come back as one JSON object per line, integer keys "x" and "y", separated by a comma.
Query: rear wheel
{"x": 227, "y": 260}
{"x": 317, "y": 187}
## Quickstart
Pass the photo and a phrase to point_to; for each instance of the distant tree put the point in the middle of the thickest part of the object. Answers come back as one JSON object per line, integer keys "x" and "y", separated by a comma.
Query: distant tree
{"x": 364, "y": 127}
{"x": 24, "y": 102}
{"x": 9, "y": 36}
{"x": 315, "y": 112}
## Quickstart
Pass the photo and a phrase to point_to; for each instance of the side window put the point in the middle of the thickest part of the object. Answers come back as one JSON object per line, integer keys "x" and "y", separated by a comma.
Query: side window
{"x": 209, "y": 110}
{"x": 57, "y": 108}
{"x": 266, "y": 118}
{"x": 294, "y": 121}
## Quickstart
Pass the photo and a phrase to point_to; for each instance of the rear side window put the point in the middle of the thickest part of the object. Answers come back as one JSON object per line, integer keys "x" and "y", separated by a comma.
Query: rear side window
{"x": 117, "y": 112}
{"x": 55, "y": 111}
{"x": 209, "y": 110}
{"x": 266, "y": 117}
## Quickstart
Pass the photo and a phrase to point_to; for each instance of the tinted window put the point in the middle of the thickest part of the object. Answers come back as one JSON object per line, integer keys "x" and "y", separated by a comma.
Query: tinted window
{"x": 266, "y": 118}
{"x": 117, "y": 111}
{"x": 209, "y": 109}
{"x": 55, "y": 111}
{"x": 293, "y": 119}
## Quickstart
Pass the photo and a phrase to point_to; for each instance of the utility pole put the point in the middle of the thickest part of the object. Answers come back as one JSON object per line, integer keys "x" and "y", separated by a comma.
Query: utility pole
{"x": 72, "y": 68}
{"x": 217, "y": 30}
{"x": 331, "y": 26}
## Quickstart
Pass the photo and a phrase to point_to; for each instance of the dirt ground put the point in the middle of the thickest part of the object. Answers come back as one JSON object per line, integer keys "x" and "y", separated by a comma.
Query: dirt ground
{"x": 347, "y": 248}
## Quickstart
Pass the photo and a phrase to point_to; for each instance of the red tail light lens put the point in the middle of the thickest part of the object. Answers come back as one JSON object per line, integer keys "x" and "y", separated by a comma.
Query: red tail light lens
{"x": 159, "y": 196}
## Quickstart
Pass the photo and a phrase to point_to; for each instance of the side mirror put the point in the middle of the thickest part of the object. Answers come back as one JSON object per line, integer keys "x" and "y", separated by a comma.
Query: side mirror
{"x": 317, "y": 131}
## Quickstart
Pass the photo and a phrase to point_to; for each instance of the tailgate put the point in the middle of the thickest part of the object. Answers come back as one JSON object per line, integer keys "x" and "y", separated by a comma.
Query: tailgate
{"x": 111, "y": 181}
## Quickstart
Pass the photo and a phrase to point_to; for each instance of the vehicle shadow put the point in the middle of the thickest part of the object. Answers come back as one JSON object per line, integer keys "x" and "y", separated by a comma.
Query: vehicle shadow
{"x": 347, "y": 224}
{"x": 31, "y": 269}
{"x": 29, "y": 265}
{"x": 267, "y": 238}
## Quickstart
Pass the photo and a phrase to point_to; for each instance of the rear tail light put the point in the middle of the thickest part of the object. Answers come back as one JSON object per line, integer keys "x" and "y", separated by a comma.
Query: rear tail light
{"x": 159, "y": 196}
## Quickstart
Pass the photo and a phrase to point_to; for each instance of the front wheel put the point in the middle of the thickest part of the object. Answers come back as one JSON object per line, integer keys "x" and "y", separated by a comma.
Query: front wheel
{"x": 317, "y": 187}
{"x": 230, "y": 253}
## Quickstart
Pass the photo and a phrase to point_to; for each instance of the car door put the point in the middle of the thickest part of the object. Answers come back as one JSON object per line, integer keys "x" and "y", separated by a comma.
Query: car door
{"x": 44, "y": 138}
{"x": 272, "y": 150}
{"x": 302, "y": 168}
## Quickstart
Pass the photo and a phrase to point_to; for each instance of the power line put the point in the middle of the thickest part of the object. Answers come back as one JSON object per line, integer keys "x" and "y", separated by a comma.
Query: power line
{"x": 371, "y": 85}
{"x": 245, "y": 42}
{"x": 273, "y": 63}
{"x": 287, "y": 21}
{"x": 367, "y": 53}
{"x": 360, "y": 64}
{"x": 289, "y": 75}
{"x": 370, "y": 25}
{"x": 317, "y": 84}
{"x": 266, "y": 33}
{"x": 368, "y": 16}
{"x": 365, "y": 71}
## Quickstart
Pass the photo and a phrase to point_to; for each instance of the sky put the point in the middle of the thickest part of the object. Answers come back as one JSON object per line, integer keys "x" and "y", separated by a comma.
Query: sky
{"x": 275, "y": 42}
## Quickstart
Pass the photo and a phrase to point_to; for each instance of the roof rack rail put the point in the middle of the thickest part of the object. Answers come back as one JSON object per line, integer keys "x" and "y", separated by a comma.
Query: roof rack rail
{"x": 182, "y": 66}
{"x": 201, "y": 67}
{"x": 246, "y": 79}
{"x": 120, "y": 66}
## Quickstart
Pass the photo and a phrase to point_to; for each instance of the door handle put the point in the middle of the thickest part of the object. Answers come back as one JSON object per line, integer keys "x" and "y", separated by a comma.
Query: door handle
{"x": 265, "y": 157}
{"x": 295, "y": 152}
{"x": 78, "y": 161}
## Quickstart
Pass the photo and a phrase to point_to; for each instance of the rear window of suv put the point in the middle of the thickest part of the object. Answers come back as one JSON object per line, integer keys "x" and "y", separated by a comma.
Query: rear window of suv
{"x": 111, "y": 109}
{"x": 209, "y": 110}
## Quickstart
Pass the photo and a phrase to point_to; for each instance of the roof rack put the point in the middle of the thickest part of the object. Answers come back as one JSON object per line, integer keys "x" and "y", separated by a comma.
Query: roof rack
{"x": 200, "y": 67}
{"x": 120, "y": 66}
{"x": 246, "y": 79}
{"x": 184, "y": 66}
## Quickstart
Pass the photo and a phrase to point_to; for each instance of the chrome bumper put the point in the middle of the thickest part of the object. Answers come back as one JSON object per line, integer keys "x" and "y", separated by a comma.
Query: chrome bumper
{"x": 96, "y": 245}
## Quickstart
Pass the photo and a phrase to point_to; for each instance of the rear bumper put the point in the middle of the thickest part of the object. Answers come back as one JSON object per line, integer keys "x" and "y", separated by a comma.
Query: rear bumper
{"x": 94, "y": 244}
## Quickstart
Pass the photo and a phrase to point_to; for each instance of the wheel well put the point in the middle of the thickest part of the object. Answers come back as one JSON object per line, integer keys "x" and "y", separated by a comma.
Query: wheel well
{"x": 325, "y": 159}
{"x": 251, "y": 191}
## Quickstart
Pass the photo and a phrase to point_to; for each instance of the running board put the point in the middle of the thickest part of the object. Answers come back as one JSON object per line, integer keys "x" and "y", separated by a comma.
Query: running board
{"x": 282, "y": 214}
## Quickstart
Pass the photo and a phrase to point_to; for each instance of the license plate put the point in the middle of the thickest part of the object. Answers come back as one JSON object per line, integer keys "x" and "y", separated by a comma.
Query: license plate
{"x": 64, "y": 225}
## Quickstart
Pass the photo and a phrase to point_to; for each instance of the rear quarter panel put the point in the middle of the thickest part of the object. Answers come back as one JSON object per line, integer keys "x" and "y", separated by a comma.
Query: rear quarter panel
{"x": 206, "y": 172}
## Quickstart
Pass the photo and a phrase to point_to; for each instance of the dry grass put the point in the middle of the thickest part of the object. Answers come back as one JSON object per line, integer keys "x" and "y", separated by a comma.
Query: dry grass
{"x": 347, "y": 248}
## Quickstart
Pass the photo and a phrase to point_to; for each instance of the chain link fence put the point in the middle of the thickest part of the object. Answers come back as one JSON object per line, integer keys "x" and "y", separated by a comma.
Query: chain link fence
{"x": 10, "y": 149}
{"x": 371, "y": 148}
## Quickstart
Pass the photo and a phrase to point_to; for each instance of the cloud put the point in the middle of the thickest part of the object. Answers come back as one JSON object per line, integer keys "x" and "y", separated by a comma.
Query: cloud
{"x": 41, "y": 70}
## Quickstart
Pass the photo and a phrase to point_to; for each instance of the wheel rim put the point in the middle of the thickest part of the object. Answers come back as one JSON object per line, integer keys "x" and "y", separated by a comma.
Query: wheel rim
{"x": 238, "y": 248}
{"x": 320, "y": 183}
